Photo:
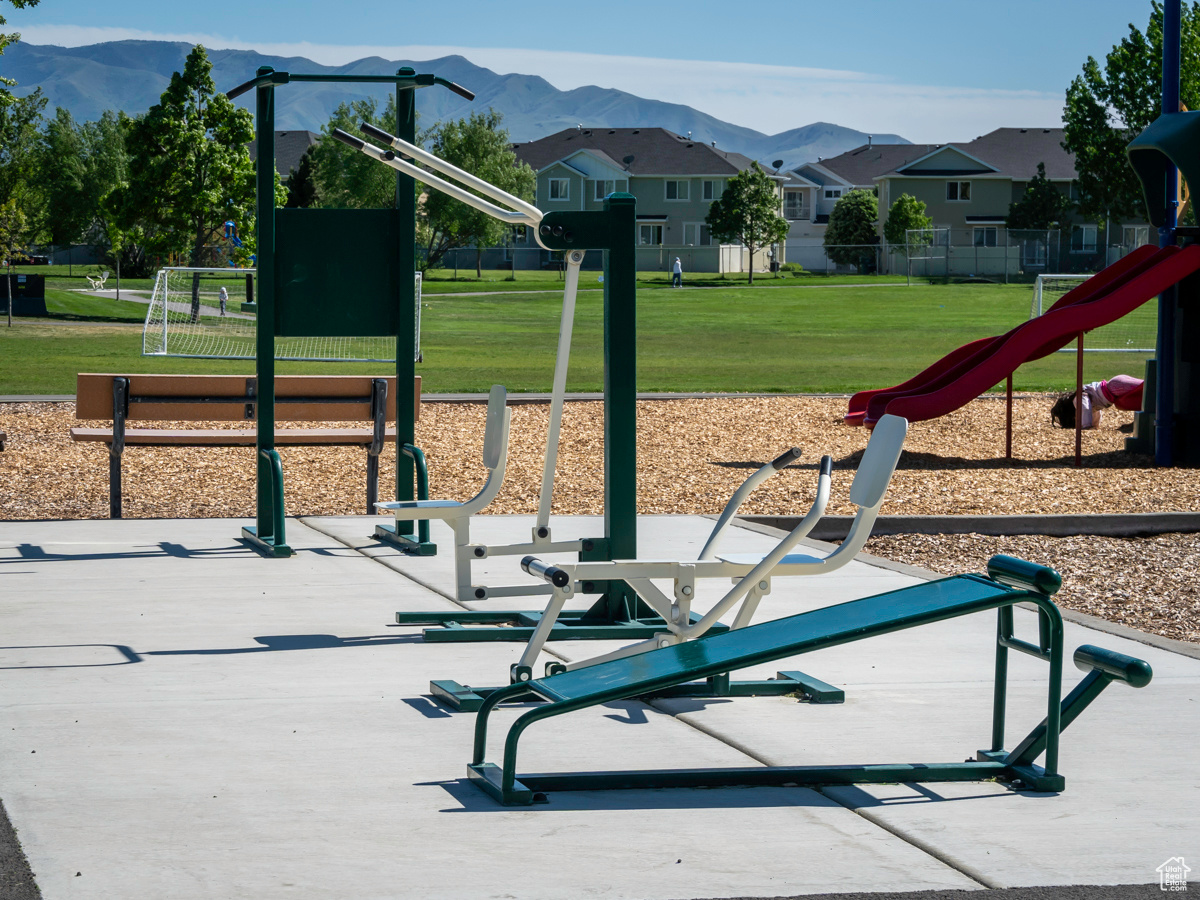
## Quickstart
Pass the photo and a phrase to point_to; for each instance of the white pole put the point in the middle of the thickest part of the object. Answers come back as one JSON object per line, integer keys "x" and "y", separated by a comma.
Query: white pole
{"x": 561, "y": 360}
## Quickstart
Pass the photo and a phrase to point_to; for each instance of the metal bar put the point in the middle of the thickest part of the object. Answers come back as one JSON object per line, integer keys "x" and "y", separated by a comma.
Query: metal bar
{"x": 1164, "y": 424}
{"x": 406, "y": 213}
{"x": 1004, "y": 627}
{"x": 265, "y": 332}
{"x": 1008, "y": 428}
{"x": 1079, "y": 402}
{"x": 562, "y": 360}
{"x": 120, "y": 393}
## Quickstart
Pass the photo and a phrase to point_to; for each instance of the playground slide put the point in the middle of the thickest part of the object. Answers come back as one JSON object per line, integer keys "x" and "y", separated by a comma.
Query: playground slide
{"x": 972, "y": 369}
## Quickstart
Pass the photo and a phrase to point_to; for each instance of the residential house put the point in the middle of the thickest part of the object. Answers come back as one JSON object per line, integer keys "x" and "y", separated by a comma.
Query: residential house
{"x": 289, "y": 147}
{"x": 674, "y": 179}
{"x": 967, "y": 189}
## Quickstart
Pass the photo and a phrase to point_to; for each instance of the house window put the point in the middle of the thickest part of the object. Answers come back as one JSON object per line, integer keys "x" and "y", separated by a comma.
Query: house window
{"x": 1033, "y": 254}
{"x": 793, "y": 206}
{"x": 560, "y": 189}
{"x": 833, "y": 193}
{"x": 604, "y": 188}
{"x": 677, "y": 190}
{"x": 696, "y": 234}
{"x": 711, "y": 190}
{"x": 985, "y": 236}
{"x": 519, "y": 234}
{"x": 958, "y": 190}
{"x": 1083, "y": 239}
{"x": 1135, "y": 235}
{"x": 650, "y": 235}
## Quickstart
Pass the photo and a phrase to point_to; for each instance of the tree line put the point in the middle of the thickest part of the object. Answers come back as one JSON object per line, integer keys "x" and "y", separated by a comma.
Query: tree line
{"x": 178, "y": 181}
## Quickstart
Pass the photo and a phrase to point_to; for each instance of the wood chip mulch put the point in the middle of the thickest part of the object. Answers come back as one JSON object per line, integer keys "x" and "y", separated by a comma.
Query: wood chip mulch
{"x": 692, "y": 456}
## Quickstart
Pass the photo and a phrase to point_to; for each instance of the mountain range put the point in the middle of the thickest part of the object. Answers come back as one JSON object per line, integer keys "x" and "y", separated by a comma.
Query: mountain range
{"x": 131, "y": 76}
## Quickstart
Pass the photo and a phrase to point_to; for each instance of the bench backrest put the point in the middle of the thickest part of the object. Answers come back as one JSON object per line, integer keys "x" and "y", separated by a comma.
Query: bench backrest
{"x": 231, "y": 398}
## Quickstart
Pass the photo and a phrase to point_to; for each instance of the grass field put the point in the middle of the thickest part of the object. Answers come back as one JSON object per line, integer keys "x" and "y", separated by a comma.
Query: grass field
{"x": 788, "y": 338}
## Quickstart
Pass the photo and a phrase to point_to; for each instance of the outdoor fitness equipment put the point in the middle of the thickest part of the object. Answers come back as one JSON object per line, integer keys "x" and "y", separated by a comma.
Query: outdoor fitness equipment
{"x": 457, "y": 515}
{"x": 617, "y": 611}
{"x": 313, "y": 282}
{"x": 751, "y": 575}
{"x": 1009, "y": 581}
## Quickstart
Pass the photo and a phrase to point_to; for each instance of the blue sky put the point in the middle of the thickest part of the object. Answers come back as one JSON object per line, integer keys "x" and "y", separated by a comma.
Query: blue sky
{"x": 931, "y": 71}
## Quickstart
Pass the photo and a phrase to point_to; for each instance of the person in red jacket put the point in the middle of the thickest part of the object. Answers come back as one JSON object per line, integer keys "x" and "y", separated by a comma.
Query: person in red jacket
{"x": 1121, "y": 391}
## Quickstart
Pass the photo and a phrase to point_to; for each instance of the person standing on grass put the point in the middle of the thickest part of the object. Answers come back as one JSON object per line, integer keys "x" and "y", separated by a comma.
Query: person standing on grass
{"x": 224, "y": 299}
{"x": 677, "y": 274}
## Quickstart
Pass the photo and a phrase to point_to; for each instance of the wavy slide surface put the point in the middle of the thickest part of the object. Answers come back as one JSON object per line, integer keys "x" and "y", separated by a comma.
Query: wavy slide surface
{"x": 962, "y": 375}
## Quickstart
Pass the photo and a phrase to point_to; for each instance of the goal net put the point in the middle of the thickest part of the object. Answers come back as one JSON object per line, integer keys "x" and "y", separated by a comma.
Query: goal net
{"x": 185, "y": 318}
{"x": 1134, "y": 333}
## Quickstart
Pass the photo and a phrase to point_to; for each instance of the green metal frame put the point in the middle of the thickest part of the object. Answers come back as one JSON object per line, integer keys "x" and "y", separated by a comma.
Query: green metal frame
{"x": 392, "y": 305}
{"x": 1010, "y": 581}
{"x": 422, "y": 546}
{"x": 617, "y": 613}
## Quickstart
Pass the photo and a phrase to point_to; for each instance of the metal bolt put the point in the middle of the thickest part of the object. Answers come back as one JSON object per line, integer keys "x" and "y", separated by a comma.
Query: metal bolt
{"x": 480, "y": 593}
{"x": 479, "y": 552}
{"x": 686, "y": 590}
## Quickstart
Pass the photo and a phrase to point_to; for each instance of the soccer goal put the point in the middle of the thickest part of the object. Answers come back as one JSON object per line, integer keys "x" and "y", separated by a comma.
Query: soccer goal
{"x": 185, "y": 318}
{"x": 1134, "y": 333}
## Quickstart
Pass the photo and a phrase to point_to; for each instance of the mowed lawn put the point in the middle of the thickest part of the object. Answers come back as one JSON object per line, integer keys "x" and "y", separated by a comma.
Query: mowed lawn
{"x": 769, "y": 338}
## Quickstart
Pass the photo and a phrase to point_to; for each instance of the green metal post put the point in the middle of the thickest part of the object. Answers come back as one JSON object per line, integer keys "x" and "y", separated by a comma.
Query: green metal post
{"x": 406, "y": 212}
{"x": 620, "y": 382}
{"x": 268, "y": 531}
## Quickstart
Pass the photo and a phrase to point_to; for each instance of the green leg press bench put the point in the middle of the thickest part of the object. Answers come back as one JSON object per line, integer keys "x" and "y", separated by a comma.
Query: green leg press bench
{"x": 1010, "y": 581}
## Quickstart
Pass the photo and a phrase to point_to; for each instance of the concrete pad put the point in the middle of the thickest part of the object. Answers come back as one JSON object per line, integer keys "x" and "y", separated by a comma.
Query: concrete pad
{"x": 186, "y": 719}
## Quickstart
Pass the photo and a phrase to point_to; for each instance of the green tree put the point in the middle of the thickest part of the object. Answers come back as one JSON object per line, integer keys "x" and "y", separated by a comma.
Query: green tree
{"x": 344, "y": 177}
{"x": 905, "y": 215}
{"x": 189, "y": 167}
{"x": 476, "y": 144}
{"x": 1042, "y": 206}
{"x": 12, "y": 236}
{"x": 851, "y": 229}
{"x": 1106, "y": 107}
{"x": 11, "y": 37}
{"x": 748, "y": 212}
{"x": 301, "y": 187}
{"x": 78, "y": 165}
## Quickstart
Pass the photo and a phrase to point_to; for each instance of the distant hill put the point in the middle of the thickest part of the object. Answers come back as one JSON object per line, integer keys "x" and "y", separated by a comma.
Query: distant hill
{"x": 131, "y": 76}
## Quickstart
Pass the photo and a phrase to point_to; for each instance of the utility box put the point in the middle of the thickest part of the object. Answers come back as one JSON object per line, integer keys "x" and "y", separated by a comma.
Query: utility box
{"x": 27, "y": 293}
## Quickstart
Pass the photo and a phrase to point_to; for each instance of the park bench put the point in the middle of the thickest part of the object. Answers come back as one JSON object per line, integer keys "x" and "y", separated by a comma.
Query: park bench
{"x": 233, "y": 398}
{"x": 1009, "y": 581}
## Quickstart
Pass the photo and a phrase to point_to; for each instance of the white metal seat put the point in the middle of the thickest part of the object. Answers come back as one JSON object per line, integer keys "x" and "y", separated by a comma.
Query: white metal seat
{"x": 458, "y": 514}
{"x": 751, "y": 572}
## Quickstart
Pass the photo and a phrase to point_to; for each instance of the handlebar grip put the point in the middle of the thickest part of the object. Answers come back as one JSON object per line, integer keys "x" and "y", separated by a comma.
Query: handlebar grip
{"x": 378, "y": 133}
{"x": 1129, "y": 669}
{"x": 458, "y": 89}
{"x": 347, "y": 138}
{"x": 786, "y": 458}
{"x": 1017, "y": 573}
{"x": 826, "y": 465}
{"x": 553, "y": 574}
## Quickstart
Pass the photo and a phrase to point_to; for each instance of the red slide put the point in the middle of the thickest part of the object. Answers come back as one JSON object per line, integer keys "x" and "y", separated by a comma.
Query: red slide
{"x": 964, "y": 374}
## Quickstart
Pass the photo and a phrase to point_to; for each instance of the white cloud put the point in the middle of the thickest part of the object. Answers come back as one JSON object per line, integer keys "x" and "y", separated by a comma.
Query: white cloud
{"x": 768, "y": 98}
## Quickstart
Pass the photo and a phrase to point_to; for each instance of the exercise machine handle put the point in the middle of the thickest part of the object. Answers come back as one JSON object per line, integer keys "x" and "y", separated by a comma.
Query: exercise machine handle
{"x": 348, "y": 139}
{"x": 551, "y": 573}
{"x": 785, "y": 459}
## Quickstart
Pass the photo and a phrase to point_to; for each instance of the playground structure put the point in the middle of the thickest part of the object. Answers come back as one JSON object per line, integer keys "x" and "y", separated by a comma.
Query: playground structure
{"x": 1160, "y": 155}
{"x": 1009, "y": 581}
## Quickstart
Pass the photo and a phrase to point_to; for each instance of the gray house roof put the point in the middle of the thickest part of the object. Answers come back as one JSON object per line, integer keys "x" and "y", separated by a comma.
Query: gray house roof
{"x": 1015, "y": 152}
{"x": 655, "y": 151}
{"x": 289, "y": 147}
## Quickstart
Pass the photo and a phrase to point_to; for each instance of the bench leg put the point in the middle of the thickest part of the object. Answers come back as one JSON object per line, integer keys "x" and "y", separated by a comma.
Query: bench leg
{"x": 114, "y": 485}
{"x": 372, "y": 482}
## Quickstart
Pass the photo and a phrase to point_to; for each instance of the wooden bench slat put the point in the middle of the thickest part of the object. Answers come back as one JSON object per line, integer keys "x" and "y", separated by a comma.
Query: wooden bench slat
{"x": 231, "y": 437}
{"x": 93, "y": 397}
